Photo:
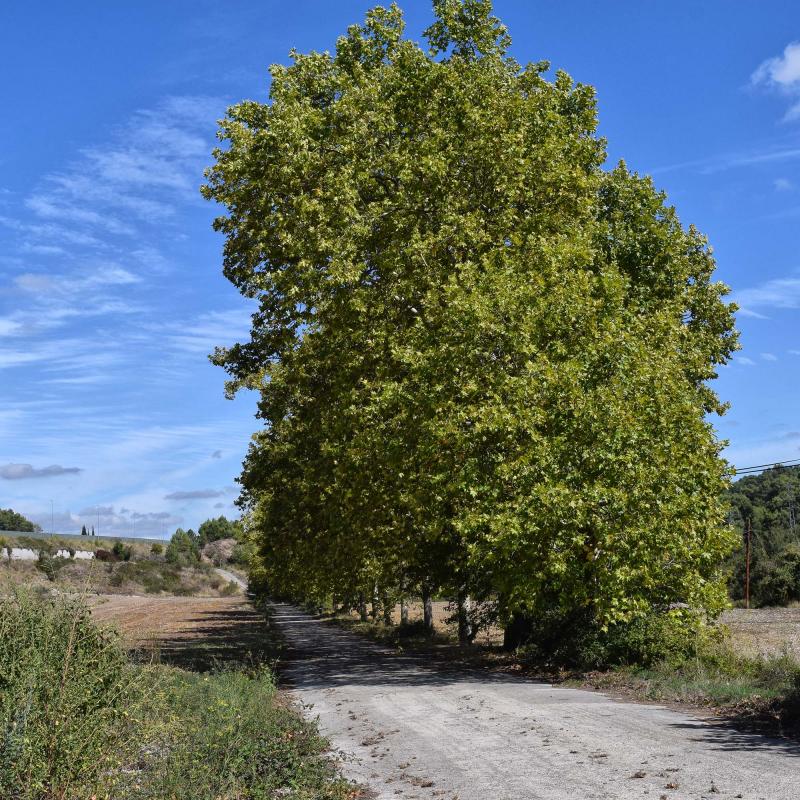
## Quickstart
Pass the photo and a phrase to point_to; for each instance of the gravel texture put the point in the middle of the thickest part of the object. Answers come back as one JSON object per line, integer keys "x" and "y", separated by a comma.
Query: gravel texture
{"x": 409, "y": 729}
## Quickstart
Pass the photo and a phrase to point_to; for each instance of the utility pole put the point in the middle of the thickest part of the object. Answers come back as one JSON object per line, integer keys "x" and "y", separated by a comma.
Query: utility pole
{"x": 749, "y": 536}
{"x": 52, "y": 519}
{"x": 98, "y": 520}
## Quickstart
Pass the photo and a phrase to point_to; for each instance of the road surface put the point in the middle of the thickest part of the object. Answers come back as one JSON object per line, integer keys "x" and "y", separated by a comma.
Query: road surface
{"x": 409, "y": 729}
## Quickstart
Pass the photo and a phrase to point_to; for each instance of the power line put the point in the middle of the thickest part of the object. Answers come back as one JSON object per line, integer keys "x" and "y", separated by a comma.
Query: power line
{"x": 759, "y": 467}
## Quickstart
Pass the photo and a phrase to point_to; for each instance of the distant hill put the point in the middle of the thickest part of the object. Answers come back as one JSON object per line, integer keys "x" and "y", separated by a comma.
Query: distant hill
{"x": 771, "y": 501}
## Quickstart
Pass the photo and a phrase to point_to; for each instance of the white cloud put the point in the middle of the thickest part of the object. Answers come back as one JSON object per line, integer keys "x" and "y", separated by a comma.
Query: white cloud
{"x": 745, "y": 361}
{"x": 783, "y": 70}
{"x": 8, "y": 326}
{"x": 782, "y": 73}
{"x": 783, "y": 185}
{"x": 213, "y": 329}
{"x": 769, "y": 357}
{"x": 776, "y": 293}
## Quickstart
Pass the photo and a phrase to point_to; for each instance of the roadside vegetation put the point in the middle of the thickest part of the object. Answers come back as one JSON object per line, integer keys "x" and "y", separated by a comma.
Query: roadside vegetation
{"x": 117, "y": 567}
{"x": 79, "y": 720}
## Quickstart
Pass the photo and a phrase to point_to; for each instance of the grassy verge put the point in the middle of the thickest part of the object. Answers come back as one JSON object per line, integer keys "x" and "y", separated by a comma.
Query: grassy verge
{"x": 79, "y": 720}
{"x": 755, "y": 692}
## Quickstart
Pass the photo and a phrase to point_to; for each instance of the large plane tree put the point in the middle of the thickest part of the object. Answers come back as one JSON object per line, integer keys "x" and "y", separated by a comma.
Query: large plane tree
{"x": 483, "y": 358}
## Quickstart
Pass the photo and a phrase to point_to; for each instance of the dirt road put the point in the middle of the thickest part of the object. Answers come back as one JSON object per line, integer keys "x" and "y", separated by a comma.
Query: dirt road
{"x": 408, "y": 729}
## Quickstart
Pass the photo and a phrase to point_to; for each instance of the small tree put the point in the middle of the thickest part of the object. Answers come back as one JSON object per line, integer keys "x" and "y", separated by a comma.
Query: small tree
{"x": 182, "y": 550}
{"x": 83, "y": 531}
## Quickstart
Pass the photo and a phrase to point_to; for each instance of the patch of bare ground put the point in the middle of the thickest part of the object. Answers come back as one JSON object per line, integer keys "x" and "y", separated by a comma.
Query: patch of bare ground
{"x": 197, "y": 633}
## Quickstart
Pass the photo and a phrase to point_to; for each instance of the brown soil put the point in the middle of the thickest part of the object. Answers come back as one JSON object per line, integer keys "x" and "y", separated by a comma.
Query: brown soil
{"x": 192, "y": 632}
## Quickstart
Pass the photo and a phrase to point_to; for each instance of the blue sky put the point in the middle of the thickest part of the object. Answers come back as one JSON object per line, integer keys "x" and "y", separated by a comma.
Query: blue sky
{"x": 111, "y": 293}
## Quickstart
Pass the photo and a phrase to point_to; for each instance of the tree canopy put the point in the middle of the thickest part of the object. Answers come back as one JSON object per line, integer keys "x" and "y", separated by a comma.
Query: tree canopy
{"x": 218, "y": 528}
{"x": 10, "y": 520}
{"x": 483, "y": 359}
{"x": 770, "y": 502}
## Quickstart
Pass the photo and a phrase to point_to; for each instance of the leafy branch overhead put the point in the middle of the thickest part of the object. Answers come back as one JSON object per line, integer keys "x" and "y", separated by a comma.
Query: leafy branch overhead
{"x": 483, "y": 359}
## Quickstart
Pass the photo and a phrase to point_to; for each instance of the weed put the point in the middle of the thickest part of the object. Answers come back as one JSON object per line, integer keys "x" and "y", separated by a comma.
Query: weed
{"x": 65, "y": 697}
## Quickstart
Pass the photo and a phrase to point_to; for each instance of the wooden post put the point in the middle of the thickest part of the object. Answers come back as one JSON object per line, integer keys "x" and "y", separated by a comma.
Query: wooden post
{"x": 747, "y": 565}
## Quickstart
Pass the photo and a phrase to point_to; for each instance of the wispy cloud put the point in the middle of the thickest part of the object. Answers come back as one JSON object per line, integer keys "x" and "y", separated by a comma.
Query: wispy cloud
{"x": 777, "y": 293}
{"x": 769, "y": 357}
{"x": 744, "y": 361}
{"x": 782, "y": 73}
{"x": 196, "y": 494}
{"x": 212, "y": 329}
{"x": 783, "y": 185}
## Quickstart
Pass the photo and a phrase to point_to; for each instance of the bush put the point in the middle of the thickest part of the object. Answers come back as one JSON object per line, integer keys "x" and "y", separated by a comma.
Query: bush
{"x": 121, "y": 551}
{"x": 49, "y": 564}
{"x": 105, "y": 556}
{"x": 156, "y": 549}
{"x": 573, "y": 640}
{"x": 64, "y": 696}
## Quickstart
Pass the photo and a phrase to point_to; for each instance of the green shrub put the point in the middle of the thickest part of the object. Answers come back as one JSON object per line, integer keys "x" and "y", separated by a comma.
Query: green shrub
{"x": 156, "y": 549}
{"x": 48, "y": 564}
{"x": 231, "y": 739}
{"x": 121, "y": 551}
{"x": 231, "y": 587}
{"x": 64, "y": 698}
{"x": 573, "y": 640}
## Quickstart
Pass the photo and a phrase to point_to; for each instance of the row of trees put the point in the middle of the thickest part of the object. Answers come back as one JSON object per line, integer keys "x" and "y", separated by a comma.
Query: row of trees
{"x": 482, "y": 359}
{"x": 10, "y": 520}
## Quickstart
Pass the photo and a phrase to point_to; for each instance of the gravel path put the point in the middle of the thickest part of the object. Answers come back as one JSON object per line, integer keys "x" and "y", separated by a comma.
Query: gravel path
{"x": 408, "y": 729}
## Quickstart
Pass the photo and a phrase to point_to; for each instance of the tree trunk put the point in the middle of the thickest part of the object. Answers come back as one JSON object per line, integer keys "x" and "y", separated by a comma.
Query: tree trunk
{"x": 403, "y": 611}
{"x": 362, "y": 607}
{"x": 517, "y": 632}
{"x": 375, "y": 603}
{"x": 388, "y": 608}
{"x": 427, "y": 609}
{"x": 465, "y": 634}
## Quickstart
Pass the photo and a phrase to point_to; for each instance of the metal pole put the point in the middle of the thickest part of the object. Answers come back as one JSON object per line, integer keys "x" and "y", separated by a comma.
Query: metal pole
{"x": 52, "y": 519}
{"x": 747, "y": 566}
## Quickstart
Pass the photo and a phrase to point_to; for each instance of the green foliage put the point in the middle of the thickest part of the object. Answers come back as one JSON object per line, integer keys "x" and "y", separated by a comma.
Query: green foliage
{"x": 155, "y": 576}
{"x": 12, "y": 521}
{"x": 230, "y": 738}
{"x": 121, "y": 551}
{"x": 556, "y": 640}
{"x": 771, "y": 501}
{"x": 65, "y": 696}
{"x": 49, "y": 564}
{"x": 213, "y": 530}
{"x": 156, "y": 549}
{"x": 483, "y": 360}
{"x": 78, "y": 721}
{"x": 182, "y": 549}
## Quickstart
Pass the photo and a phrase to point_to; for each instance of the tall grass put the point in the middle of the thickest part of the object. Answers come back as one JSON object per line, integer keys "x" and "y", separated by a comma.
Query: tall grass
{"x": 79, "y": 721}
{"x": 66, "y": 693}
